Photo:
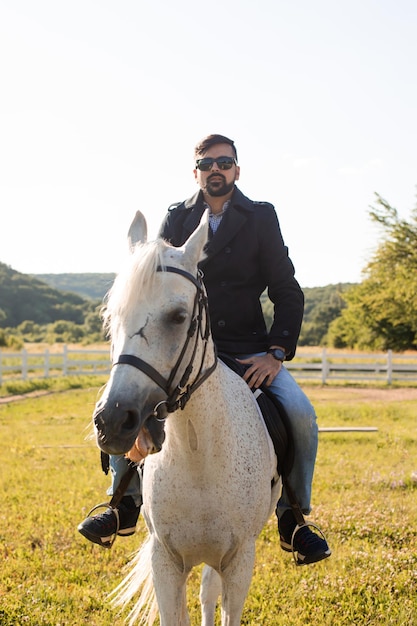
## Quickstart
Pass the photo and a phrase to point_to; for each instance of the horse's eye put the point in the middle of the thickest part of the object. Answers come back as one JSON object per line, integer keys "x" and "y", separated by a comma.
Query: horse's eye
{"x": 178, "y": 317}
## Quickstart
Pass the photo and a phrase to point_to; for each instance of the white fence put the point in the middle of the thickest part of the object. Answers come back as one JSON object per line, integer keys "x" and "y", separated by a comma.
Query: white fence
{"x": 386, "y": 367}
{"x": 321, "y": 366}
{"x": 27, "y": 365}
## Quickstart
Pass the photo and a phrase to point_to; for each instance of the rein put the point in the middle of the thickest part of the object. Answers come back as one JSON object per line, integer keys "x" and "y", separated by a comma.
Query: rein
{"x": 178, "y": 396}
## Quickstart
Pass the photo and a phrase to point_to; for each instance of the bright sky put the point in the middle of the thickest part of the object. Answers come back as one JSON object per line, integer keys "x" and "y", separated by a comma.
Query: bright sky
{"x": 102, "y": 102}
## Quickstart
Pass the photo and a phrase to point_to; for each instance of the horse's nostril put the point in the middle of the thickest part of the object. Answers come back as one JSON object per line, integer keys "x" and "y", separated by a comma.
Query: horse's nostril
{"x": 131, "y": 421}
{"x": 122, "y": 421}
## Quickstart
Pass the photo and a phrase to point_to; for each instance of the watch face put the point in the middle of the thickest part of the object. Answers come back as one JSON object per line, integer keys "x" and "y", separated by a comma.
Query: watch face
{"x": 278, "y": 354}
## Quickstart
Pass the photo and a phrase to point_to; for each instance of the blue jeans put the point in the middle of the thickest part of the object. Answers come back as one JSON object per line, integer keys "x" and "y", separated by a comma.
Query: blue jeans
{"x": 118, "y": 467}
{"x": 303, "y": 421}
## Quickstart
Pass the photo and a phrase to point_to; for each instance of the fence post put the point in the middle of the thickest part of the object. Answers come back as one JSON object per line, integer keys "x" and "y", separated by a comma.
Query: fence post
{"x": 324, "y": 366}
{"x": 389, "y": 367}
{"x": 24, "y": 364}
{"x": 65, "y": 361}
{"x": 46, "y": 369}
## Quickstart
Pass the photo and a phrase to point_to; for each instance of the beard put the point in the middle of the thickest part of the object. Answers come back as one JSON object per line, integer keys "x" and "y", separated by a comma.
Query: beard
{"x": 218, "y": 186}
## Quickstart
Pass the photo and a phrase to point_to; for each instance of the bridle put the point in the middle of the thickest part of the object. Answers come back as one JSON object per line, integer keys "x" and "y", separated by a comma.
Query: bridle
{"x": 178, "y": 396}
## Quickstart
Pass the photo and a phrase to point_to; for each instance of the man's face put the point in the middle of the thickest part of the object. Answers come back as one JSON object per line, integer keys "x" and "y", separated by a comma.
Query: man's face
{"x": 217, "y": 182}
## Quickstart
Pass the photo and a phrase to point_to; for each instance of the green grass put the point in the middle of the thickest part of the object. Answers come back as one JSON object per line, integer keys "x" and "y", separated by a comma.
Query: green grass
{"x": 62, "y": 383}
{"x": 364, "y": 498}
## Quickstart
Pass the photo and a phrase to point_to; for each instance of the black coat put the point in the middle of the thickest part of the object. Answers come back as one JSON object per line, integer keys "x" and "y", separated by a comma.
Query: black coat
{"x": 245, "y": 256}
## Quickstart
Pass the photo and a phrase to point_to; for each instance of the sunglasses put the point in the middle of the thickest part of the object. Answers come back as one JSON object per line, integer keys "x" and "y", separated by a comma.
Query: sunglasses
{"x": 223, "y": 163}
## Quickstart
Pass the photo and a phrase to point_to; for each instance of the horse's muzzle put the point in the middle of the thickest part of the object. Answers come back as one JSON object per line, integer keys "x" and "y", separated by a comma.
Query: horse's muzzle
{"x": 117, "y": 428}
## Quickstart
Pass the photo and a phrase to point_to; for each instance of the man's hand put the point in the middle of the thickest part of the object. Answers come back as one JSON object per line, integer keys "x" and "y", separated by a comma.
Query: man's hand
{"x": 263, "y": 369}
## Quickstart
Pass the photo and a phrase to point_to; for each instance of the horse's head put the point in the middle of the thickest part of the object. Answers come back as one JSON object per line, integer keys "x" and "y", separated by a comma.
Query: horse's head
{"x": 156, "y": 316}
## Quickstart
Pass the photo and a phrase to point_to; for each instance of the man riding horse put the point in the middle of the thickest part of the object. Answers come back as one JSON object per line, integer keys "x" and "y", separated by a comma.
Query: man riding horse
{"x": 245, "y": 254}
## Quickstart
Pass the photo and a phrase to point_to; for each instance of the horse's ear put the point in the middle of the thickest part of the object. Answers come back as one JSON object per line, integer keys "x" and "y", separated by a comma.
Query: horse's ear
{"x": 193, "y": 247}
{"x": 138, "y": 231}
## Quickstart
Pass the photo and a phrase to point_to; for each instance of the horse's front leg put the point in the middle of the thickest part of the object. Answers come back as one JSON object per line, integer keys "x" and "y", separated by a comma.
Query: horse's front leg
{"x": 210, "y": 590}
{"x": 170, "y": 589}
{"x": 236, "y": 579}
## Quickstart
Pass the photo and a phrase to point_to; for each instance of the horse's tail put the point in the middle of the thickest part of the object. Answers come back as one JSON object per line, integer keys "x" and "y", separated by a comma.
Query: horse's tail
{"x": 139, "y": 579}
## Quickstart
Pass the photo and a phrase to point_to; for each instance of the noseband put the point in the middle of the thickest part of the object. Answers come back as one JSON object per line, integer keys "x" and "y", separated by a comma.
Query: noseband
{"x": 178, "y": 396}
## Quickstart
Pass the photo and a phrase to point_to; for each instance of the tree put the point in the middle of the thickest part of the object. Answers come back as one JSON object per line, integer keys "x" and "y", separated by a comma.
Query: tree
{"x": 322, "y": 305}
{"x": 63, "y": 331}
{"x": 94, "y": 324}
{"x": 381, "y": 312}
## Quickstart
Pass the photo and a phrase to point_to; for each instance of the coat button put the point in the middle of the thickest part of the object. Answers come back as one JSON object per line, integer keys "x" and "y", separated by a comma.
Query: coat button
{"x": 227, "y": 250}
{"x": 221, "y": 323}
{"x": 223, "y": 283}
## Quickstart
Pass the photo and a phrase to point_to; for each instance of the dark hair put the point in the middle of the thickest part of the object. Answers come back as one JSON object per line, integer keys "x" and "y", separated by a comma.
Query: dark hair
{"x": 212, "y": 140}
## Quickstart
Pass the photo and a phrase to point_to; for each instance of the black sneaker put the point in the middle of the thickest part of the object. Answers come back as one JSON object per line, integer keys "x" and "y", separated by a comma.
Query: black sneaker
{"x": 306, "y": 545}
{"x": 102, "y": 528}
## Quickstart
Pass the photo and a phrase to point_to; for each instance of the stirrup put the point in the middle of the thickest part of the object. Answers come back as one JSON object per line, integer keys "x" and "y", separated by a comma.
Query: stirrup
{"x": 296, "y": 529}
{"x": 107, "y": 505}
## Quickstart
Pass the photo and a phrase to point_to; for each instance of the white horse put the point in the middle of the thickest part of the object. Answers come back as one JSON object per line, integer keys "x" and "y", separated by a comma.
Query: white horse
{"x": 212, "y": 486}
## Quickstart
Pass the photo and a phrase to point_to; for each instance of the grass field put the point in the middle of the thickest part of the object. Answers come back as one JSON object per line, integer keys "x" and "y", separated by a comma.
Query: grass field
{"x": 364, "y": 498}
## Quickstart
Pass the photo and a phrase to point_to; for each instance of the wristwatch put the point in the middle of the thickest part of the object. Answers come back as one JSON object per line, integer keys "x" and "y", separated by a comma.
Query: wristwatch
{"x": 277, "y": 353}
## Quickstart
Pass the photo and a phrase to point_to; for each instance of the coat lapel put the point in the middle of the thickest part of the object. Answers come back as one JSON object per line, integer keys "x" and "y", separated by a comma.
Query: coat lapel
{"x": 233, "y": 220}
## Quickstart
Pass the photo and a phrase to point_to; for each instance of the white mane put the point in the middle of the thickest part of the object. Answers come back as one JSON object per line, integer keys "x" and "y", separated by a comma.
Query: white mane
{"x": 138, "y": 276}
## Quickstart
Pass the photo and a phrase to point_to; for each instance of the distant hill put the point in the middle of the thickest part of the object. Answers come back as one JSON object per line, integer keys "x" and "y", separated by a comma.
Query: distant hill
{"x": 90, "y": 286}
{"x": 24, "y": 297}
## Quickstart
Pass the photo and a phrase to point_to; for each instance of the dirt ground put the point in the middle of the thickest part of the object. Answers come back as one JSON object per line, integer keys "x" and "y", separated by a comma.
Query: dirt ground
{"x": 22, "y": 396}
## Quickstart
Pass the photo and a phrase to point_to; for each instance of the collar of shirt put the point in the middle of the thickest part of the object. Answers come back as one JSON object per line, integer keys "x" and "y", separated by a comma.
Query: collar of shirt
{"x": 216, "y": 218}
